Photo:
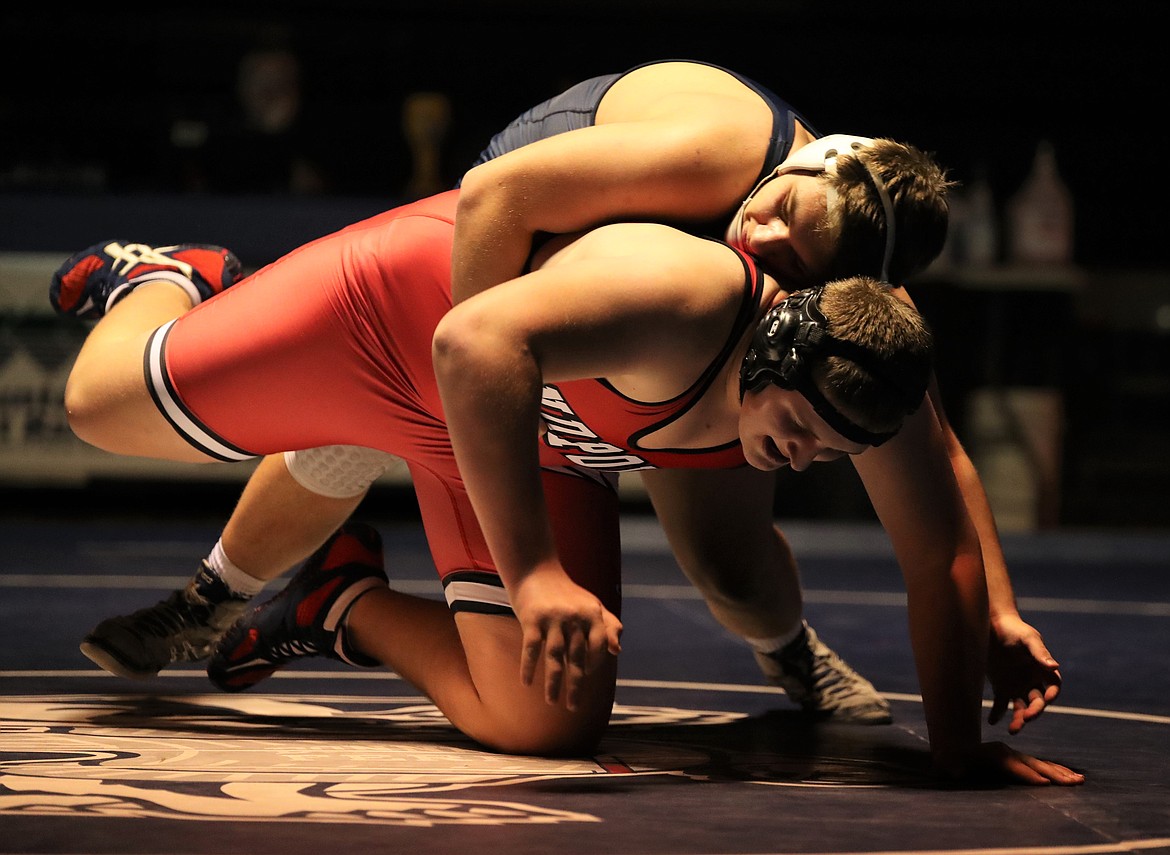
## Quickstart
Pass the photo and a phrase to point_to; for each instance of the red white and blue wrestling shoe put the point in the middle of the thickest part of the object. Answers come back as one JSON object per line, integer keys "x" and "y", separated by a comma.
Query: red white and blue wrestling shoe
{"x": 90, "y": 282}
{"x": 307, "y": 618}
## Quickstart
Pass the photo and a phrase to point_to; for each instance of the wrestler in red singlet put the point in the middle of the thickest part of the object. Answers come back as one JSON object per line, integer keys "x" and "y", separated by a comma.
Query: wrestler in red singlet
{"x": 333, "y": 346}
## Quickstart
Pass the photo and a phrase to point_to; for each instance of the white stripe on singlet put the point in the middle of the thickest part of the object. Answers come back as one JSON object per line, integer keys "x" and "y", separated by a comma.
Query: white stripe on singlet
{"x": 172, "y": 408}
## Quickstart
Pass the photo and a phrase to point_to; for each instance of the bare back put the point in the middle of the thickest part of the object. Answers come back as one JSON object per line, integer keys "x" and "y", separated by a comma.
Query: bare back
{"x": 703, "y": 94}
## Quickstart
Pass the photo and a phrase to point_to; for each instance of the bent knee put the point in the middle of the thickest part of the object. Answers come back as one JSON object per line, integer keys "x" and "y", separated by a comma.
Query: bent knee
{"x": 573, "y": 738}
{"x": 107, "y": 414}
{"x": 526, "y": 724}
{"x": 733, "y": 590}
{"x": 88, "y": 408}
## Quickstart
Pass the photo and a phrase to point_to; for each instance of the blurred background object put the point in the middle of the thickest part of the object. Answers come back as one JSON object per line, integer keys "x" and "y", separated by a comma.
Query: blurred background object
{"x": 262, "y": 125}
{"x": 426, "y": 120}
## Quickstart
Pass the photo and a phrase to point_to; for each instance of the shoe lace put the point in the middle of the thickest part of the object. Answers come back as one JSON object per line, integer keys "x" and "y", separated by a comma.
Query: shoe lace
{"x": 821, "y": 674}
{"x": 292, "y": 648}
{"x": 184, "y": 628}
{"x": 170, "y": 617}
{"x": 830, "y": 676}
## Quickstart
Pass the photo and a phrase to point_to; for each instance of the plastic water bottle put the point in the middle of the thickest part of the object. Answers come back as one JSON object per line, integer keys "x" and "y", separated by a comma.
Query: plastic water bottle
{"x": 1040, "y": 214}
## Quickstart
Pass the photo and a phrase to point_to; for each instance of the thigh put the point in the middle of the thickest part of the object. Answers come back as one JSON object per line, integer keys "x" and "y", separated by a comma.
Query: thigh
{"x": 107, "y": 400}
{"x": 328, "y": 346}
{"x": 585, "y": 520}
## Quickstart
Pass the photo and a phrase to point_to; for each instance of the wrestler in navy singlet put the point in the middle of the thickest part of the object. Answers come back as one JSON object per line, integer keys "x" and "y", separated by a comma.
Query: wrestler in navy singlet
{"x": 577, "y": 106}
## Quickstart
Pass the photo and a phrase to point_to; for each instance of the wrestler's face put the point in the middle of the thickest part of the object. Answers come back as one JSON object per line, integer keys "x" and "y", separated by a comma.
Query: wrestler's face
{"x": 778, "y": 427}
{"x": 780, "y": 229}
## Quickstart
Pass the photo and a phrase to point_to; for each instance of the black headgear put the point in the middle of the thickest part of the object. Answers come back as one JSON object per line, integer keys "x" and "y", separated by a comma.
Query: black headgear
{"x": 791, "y": 338}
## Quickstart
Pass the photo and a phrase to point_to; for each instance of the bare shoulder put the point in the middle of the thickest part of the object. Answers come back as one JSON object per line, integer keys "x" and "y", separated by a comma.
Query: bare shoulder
{"x": 704, "y": 123}
{"x": 670, "y": 86}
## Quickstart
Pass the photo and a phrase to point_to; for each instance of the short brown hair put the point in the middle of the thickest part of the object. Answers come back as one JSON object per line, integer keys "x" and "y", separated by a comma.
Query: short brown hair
{"x": 917, "y": 186}
{"x": 863, "y": 311}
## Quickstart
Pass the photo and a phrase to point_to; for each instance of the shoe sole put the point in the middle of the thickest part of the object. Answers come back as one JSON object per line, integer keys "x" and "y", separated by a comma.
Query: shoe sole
{"x": 107, "y": 660}
{"x": 866, "y": 719}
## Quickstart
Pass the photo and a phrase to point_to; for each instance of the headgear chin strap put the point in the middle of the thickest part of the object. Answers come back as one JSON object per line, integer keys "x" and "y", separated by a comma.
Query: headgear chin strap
{"x": 790, "y": 340}
{"x": 821, "y": 156}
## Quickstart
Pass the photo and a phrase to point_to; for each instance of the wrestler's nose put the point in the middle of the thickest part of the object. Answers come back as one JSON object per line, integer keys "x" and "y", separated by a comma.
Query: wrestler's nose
{"x": 800, "y": 454}
{"x": 770, "y": 233}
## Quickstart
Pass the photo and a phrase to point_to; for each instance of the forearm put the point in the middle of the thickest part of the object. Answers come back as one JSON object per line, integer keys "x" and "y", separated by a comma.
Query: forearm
{"x": 948, "y": 632}
{"x": 999, "y": 587}
{"x": 492, "y": 241}
{"x": 677, "y": 168}
{"x": 913, "y": 487}
{"x": 1001, "y": 596}
{"x": 491, "y": 397}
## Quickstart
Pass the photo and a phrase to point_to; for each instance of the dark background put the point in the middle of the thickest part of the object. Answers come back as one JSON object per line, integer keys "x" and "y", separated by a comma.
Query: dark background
{"x": 977, "y": 83}
{"x": 91, "y": 99}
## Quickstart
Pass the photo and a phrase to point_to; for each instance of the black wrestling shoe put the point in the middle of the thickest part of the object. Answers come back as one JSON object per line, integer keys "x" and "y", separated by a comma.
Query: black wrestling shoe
{"x": 181, "y": 628}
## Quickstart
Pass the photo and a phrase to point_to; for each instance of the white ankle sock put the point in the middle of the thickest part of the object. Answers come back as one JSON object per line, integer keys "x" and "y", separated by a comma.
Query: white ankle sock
{"x": 239, "y": 582}
{"x": 779, "y": 642}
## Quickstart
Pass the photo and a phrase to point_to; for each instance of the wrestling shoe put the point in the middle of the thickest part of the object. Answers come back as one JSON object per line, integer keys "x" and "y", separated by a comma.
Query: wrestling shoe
{"x": 181, "y": 628}
{"x": 822, "y": 682}
{"x": 306, "y": 618}
{"x": 90, "y": 282}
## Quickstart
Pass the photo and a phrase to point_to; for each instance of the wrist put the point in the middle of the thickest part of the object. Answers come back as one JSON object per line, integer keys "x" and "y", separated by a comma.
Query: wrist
{"x": 1001, "y": 618}
{"x": 952, "y": 763}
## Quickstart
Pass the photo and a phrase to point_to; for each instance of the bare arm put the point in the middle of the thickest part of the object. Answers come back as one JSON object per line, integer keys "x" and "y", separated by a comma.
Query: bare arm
{"x": 913, "y": 490}
{"x": 665, "y": 169}
{"x": 917, "y": 499}
{"x": 1023, "y": 673}
{"x": 627, "y": 315}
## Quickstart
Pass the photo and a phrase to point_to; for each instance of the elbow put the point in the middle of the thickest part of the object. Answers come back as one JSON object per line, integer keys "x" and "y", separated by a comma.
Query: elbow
{"x": 452, "y": 346}
{"x": 494, "y": 196}
{"x": 471, "y": 187}
{"x": 476, "y": 358}
{"x": 480, "y": 187}
{"x": 468, "y": 345}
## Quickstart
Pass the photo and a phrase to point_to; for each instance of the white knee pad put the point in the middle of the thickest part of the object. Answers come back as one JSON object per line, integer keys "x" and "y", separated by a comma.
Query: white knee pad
{"x": 338, "y": 471}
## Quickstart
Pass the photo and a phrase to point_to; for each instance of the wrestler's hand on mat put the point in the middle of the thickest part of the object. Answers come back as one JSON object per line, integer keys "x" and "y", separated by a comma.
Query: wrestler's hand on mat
{"x": 567, "y": 629}
{"x": 1022, "y": 673}
{"x": 998, "y": 763}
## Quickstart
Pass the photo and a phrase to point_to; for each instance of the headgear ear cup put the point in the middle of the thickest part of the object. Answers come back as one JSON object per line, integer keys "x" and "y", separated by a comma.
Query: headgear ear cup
{"x": 820, "y": 155}
{"x": 772, "y": 357}
{"x": 788, "y": 338}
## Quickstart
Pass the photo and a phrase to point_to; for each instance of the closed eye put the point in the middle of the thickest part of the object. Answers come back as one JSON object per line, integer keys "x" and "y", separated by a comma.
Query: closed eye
{"x": 798, "y": 268}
